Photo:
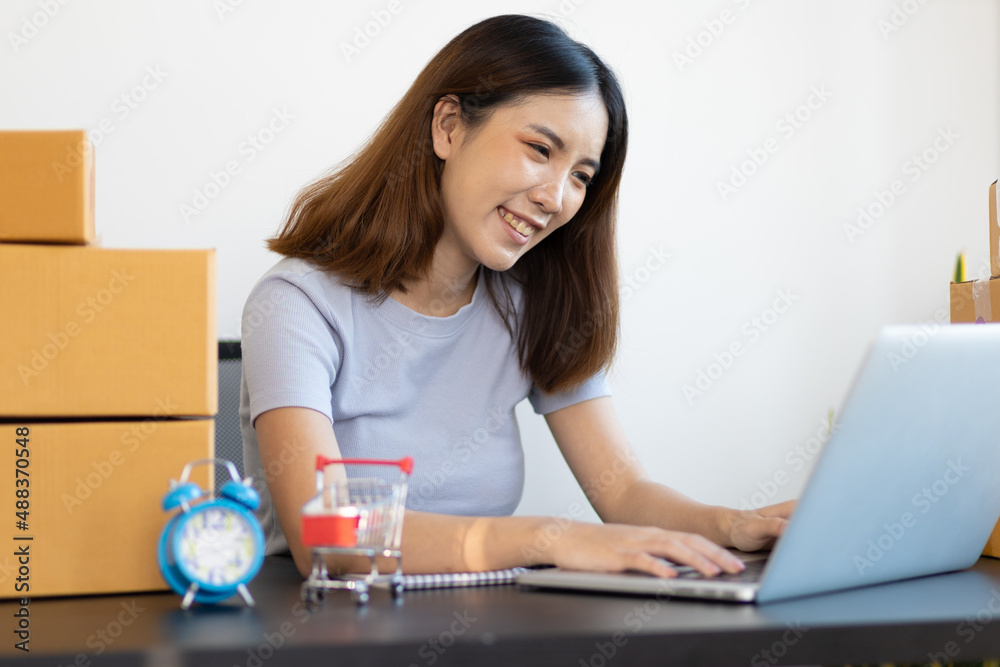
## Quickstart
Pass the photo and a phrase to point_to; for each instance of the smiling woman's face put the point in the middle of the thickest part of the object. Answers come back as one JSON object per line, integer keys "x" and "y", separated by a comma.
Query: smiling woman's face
{"x": 521, "y": 175}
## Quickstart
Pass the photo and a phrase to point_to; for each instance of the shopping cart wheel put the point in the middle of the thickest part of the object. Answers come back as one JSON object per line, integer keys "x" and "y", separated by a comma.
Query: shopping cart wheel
{"x": 397, "y": 589}
{"x": 313, "y": 595}
{"x": 359, "y": 596}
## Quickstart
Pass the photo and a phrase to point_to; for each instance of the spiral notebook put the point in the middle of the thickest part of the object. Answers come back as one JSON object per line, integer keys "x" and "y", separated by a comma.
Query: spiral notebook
{"x": 461, "y": 579}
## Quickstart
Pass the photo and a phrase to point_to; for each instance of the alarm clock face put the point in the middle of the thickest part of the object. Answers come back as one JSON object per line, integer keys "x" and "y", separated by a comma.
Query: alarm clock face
{"x": 216, "y": 546}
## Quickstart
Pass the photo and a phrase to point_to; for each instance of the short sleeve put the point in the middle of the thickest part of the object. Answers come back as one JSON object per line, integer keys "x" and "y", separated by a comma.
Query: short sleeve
{"x": 594, "y": 387}
{"x": 291, "y": 352}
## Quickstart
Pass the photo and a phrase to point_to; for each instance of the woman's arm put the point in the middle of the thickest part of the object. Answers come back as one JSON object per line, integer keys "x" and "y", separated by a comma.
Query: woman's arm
{"x": 594, "y": 445}
{"x": 445, "y": 543}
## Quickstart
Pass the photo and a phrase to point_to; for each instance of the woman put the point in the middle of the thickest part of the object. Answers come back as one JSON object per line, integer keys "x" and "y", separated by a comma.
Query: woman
{"x": 463, "y": 260}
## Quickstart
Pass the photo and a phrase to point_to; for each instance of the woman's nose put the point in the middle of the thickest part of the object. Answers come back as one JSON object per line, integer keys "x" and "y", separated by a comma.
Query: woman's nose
{"x": 548, "y": 195}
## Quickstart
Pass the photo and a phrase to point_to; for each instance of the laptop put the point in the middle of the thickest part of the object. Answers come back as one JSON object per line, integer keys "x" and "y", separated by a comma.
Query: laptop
{"x": 907, "y": 486}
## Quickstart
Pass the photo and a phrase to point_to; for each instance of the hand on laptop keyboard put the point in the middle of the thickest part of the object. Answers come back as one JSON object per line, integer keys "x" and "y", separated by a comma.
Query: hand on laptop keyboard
{"x": 619, "y": 547}
{"x": 751, "y": 572}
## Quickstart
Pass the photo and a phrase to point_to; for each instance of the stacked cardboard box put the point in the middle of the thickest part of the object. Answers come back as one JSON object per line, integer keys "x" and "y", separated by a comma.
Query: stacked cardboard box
{"x": 108, "y": 372}
{"x": 979, "y": 301}
{"x": 46, "y": 187}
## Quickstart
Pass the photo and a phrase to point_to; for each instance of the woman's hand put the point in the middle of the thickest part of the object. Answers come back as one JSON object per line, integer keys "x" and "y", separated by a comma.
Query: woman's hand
{"x": 618, "y": 547}
{"x": 750, "y": 530}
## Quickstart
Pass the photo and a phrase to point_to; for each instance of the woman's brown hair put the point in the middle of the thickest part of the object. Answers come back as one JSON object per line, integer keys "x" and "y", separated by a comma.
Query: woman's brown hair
{"x": 376, "y": 218}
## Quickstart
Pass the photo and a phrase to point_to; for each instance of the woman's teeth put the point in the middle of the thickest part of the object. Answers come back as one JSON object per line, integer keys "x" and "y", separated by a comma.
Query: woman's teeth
{"x": 519, "y": 225}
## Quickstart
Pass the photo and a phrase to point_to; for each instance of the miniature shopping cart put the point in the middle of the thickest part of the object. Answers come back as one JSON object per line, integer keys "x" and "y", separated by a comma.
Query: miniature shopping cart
{"x": 361, "y": 516}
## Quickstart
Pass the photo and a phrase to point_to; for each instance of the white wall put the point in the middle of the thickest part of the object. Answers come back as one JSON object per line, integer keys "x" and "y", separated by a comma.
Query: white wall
{"x": 224, "y": 75}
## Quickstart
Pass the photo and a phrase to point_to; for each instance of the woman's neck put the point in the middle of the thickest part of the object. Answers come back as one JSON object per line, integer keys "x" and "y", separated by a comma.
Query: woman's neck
{"x": 440, "y": 293}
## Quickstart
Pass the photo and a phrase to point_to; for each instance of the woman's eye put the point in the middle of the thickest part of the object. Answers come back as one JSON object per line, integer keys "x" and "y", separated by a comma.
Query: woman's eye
{"x": 583, "y": 177}
{"x": 541, "y": 150}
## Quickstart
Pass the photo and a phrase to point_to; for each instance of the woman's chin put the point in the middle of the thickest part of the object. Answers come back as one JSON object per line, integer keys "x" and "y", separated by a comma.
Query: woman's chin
{"x": 500, "y": 262}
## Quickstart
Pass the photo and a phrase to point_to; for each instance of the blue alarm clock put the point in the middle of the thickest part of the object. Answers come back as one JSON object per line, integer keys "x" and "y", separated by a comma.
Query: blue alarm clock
{"x": 209, "y": 551}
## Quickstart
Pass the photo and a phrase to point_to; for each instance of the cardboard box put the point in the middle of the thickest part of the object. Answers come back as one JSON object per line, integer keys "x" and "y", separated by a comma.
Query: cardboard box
{"x": 46, "y": 187}
{"x": 992, "y": 548}
{"x": 979, "y": 302}
{"x": 994, "y": 232}
{"x": 964, "y": 306}
{"x": 95, "y": 332}
{"x": 965, "y": 309}
{"x": 93, "y": 493}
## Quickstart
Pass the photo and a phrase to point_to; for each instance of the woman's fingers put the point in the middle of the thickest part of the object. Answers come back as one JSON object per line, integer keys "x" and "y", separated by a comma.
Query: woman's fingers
{"x": 620, "y": 547}
{"x": 698, "y": 552}
{"x": 759, "y": 532}
{"x": 783, "y": 510}
{"x": 750, "y": 530}
{"x": 640, "y": 561}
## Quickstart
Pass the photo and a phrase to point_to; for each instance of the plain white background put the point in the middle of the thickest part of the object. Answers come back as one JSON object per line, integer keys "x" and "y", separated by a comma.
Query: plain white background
{"x": 842, "y": 98}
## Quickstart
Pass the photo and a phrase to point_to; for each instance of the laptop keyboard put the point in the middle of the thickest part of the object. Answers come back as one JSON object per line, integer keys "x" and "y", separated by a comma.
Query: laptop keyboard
{"x": 751, "y": 573}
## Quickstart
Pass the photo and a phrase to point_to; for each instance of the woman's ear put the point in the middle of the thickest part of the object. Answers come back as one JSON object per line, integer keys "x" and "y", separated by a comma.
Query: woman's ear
{"x": 446, "y": 125}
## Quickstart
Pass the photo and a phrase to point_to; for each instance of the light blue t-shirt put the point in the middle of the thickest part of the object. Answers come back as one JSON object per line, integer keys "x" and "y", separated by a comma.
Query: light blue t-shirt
{"x": 393, "y": 383}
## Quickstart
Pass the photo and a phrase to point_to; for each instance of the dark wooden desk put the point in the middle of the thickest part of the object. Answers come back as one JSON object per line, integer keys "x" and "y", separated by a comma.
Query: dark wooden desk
{"x": 901, "y": 622}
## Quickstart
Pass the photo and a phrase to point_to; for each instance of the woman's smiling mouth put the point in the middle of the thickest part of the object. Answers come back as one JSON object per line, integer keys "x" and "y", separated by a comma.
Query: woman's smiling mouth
{"x": 523, "y": 228}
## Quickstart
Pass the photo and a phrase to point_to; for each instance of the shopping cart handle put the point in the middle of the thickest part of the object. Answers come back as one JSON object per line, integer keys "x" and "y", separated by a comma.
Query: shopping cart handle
{"x": 405, "y": 464}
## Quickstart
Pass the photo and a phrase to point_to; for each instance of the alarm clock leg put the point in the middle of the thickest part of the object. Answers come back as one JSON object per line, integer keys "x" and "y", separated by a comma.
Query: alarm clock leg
{"x": 189, "y": 596}
{"x": 245, "y": 594}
